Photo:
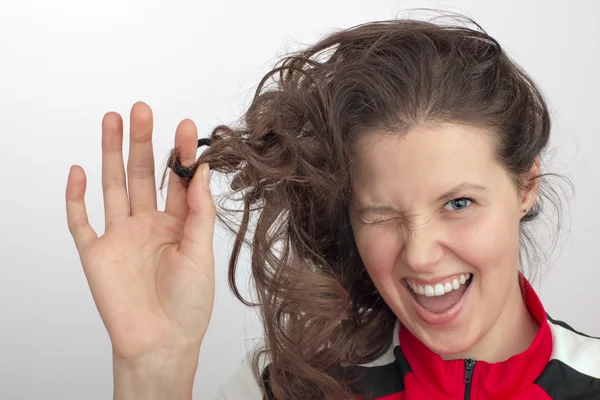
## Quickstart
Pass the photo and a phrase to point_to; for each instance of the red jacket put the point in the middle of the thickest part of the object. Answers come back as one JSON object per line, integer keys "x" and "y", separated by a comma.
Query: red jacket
{"x": 560, "y": 364}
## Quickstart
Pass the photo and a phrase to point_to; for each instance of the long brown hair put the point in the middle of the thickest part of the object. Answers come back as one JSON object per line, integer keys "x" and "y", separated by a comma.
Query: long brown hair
{"x": 289, "y": 164}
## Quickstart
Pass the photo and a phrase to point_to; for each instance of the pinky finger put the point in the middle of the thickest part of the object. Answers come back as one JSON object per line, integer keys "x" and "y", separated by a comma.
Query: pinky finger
{"x": 77, "y": 218}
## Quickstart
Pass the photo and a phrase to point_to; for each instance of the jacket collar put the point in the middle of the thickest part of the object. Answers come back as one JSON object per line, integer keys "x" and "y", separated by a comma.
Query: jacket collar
{"x": 445, "y": 378}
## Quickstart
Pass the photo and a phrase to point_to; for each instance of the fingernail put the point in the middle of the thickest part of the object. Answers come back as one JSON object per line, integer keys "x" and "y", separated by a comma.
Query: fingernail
{"x": 206, "y": 175}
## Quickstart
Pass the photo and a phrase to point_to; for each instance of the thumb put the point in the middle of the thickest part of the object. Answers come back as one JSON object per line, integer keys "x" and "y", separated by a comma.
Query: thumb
{"x": 198, "y": 230}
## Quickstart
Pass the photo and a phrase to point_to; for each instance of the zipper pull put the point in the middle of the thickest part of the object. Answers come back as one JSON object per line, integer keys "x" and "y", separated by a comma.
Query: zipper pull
{"x": 469, "y": 365}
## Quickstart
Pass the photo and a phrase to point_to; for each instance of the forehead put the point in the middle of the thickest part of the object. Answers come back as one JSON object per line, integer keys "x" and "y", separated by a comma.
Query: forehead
{"x": 422, "y": 162}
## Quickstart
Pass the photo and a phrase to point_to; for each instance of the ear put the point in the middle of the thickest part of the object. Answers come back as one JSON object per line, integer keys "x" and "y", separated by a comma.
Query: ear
{"x": 532, "y": 186}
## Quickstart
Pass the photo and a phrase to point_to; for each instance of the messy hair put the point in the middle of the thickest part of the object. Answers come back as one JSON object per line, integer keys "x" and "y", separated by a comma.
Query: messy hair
{"x": 289, "y": 162}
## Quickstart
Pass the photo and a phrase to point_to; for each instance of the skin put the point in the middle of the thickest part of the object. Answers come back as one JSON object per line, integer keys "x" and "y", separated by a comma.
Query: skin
{"x": 406, "y": 227}
{"x": 151, "y": 272}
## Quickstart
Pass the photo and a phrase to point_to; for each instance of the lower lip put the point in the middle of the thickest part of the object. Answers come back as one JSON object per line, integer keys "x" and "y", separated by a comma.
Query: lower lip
{"x": 442, "y": 318}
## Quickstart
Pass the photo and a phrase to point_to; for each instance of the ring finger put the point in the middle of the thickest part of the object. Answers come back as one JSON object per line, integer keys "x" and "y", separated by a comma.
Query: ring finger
{"x": 186, "y": 141}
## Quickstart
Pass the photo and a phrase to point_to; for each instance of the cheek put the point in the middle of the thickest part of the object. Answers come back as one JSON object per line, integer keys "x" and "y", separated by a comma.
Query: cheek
{"x": 488, "y": 242}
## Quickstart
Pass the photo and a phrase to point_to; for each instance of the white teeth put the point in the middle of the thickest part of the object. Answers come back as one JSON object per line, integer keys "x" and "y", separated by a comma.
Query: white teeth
{"x": 429, "y": 291}
{"x": 439, "y": 289}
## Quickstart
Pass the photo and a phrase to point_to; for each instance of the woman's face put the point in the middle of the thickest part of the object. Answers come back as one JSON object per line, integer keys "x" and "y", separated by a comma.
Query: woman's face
{"x": 436, "y": 222}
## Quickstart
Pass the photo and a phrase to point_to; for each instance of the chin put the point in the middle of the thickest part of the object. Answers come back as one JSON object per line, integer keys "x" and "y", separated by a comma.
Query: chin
{"x": 447, "y": 343}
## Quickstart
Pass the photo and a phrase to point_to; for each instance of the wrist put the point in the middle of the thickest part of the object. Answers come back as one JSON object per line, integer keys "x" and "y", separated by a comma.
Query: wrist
{"x": 162, "y": 375}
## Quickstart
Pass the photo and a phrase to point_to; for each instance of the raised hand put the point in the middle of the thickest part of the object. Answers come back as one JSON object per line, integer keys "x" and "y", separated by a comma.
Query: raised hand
{"x": 152, "y": 272}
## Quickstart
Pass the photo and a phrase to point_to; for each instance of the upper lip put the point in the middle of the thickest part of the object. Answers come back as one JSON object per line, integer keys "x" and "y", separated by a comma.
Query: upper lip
{"x": 434, "y": 281}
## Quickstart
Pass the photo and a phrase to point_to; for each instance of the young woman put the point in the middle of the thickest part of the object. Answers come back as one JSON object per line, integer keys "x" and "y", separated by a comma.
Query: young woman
{"x": 391, "y": 170}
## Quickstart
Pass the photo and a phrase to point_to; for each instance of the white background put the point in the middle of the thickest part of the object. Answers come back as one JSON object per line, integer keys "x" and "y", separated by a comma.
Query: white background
{"x": 64, "y": 63}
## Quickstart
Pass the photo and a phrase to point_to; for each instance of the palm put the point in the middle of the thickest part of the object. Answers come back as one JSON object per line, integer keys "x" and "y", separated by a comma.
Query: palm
{"x": 144, "y": 287}
{"x": 151, "y": 274}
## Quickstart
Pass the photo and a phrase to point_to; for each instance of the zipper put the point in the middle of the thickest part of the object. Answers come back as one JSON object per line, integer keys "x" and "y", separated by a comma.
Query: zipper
{"x": 469, "y": 366}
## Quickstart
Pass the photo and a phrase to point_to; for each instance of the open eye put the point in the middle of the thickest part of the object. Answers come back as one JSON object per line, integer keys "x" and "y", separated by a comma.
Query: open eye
{"x": 458, "y": 204}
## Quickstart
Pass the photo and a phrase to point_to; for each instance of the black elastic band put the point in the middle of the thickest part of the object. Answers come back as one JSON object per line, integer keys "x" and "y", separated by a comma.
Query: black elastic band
{"x": 187, "y": 173}
{"x": 203, "y": 142}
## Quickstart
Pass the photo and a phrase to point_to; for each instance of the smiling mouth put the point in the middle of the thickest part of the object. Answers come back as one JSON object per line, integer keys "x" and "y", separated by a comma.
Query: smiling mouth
{"x": 440, "y": 297}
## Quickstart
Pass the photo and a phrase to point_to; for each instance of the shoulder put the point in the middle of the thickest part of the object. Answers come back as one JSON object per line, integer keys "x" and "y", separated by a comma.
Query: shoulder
{"x": 576, "y": 349}
{"x": 574, "y": 365}
{"x": 380, "y": 376}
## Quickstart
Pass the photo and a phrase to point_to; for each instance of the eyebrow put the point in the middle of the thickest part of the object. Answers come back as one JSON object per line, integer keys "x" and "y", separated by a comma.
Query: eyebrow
{"x": 456, "y": 191}
{"x": 459, "y": 189}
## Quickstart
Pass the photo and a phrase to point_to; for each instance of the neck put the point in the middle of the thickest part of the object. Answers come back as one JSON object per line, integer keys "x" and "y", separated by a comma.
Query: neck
{"x": 512, "y": 334}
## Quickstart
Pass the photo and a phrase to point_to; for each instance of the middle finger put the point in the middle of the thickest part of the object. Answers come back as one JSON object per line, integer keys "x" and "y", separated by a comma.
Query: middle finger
{"x": 140, "y": 166}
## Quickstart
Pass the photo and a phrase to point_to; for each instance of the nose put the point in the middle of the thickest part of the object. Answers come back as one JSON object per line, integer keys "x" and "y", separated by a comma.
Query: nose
{"x": 422, "y": 248}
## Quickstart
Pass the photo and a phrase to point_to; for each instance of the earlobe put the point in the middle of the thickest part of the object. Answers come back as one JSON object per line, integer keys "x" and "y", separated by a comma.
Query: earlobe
{"x": 532, "y": 188}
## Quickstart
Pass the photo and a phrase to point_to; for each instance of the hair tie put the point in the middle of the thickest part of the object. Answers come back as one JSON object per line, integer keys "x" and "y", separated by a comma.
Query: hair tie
{"x": 186, "y": 173}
